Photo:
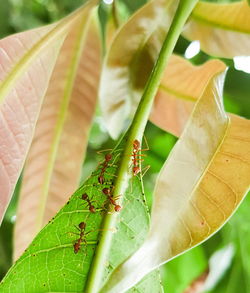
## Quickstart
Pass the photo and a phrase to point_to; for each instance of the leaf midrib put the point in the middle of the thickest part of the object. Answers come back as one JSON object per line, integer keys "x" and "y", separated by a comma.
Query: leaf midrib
{"x": 20, "y": 67}
{"x": 69, "y": 85}
{"x": 196, "y": 185}
{"x": 177, "y": 94}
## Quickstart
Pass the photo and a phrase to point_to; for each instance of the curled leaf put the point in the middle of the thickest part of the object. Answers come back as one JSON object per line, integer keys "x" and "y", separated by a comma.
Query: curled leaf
{"x": 180, "y": 88}
{"x": 53, "y": 165}
{"x": 222, "y": 29}
{"x": 129, "y": 62}
{"x": 200, "y": 186}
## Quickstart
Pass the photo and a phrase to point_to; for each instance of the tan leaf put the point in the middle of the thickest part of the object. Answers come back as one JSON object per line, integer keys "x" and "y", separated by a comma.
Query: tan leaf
{"x": 53, "y": 166}
{"x": 129, "y": 61}
{"x": 222, "y": 29}
{"x": 200, "y": 186}
{"x": 181, "y": 86}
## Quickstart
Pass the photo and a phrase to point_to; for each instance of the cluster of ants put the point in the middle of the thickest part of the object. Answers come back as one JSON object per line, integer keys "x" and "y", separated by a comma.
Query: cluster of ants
{"x": 107, "y": 191}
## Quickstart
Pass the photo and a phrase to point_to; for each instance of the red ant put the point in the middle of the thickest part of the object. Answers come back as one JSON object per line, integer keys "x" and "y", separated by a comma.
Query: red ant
{"x": 112, "y": 200}
{"x": 91, "y": 207}
{"x": 81, "y": 227}
{"x": 108, "y": 158}
{"x": 135, "y": 154}
{"x": 82, "y": 237}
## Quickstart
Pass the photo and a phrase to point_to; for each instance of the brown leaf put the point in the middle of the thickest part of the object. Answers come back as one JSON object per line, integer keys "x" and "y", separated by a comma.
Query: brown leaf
{"x": 181, "y": 87}
{"x": 222, "y": 29}
{"x": 130, "y": 60}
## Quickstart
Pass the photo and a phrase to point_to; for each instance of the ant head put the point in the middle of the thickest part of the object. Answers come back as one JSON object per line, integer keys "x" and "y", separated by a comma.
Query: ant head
{"x": 117, "y": 208}
{"x": 101, "y": 179}
{"x": 136, "y": 144}
{"x": 92, "y": 209}
{"x": 82, "y": 225}
{"x": 84, "y": 196}
{"x": 136, "y": 170}
{"x": 106, "y": 191}
{"x": 108, "y": 157}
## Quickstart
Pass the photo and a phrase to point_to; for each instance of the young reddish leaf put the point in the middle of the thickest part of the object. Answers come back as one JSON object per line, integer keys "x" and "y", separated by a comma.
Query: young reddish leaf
{"x": 222, "y": 29}
{"x": 54, "y": 162}
{"x": 20, "y": 104}
{"x": 27, "y": 60}
{"x": 200, "y": 186}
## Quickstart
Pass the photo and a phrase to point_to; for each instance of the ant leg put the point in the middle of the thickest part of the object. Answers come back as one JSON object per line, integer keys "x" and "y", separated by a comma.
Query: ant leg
{"x": 112, "y": 164}
{"x": 106, "y": 173}
{"x": 138, "y": 155}
{"x": 103, "y": 151}
{"x": 77, "y": 229}
{"x": 82, "y": 188}
{"x": 92, "y": 200}
{"x": 116, "y": 197}
{"x": 145, "y": 170}
{"x": 146, "y": 143}
{"x": 140, "y": 160}
{"x": 71, "y": 233}
{"x": 126, "y": 203}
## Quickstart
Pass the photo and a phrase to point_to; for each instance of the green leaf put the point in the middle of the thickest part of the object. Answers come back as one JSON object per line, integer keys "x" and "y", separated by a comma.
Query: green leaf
{"x": 52, "y": 252}
{"x": 4, "y": 13}
{"x": 237, "y": 232}
{"x": 222, "y": 29}
{"x": 181, "y": 271}
{"x": 200, "y": 186}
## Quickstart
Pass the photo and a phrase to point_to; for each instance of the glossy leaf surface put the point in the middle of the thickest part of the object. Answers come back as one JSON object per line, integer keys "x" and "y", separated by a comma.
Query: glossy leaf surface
{"x": 200, "y": 186}
{"x": 52, "y": 251}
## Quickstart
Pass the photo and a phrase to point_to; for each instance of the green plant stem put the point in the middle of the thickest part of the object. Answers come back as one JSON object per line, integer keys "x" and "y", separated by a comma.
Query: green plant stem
{"x": 136, "y": 130}
{"x": 115, "y": 15}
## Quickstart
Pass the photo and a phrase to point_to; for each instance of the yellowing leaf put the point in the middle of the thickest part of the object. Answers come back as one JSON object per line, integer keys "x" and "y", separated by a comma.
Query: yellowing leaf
{"x": 54, "y": 162}
{"x": 200, "y": 186}
{"x": 222, "y": 29}
{"x": 181, "y": 86}
{"x": 26, "y": 61}
{"x": 129, "y": 61}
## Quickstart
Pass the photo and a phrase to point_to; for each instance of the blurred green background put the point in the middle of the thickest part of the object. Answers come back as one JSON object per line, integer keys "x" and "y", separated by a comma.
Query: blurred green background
{"x": 19, "y": 15}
